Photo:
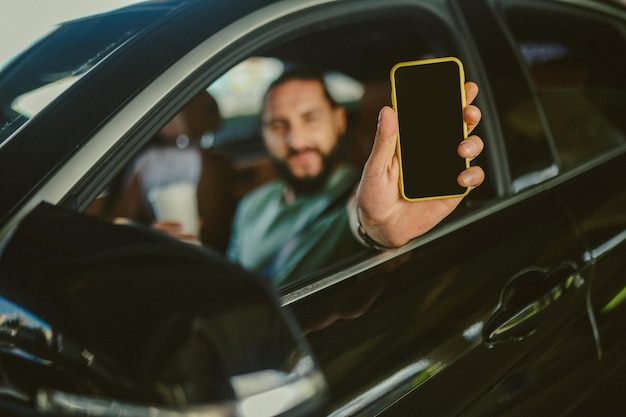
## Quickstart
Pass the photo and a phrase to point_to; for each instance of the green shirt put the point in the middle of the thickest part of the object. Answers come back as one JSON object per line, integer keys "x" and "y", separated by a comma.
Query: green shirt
{"x": 311, "y": 232}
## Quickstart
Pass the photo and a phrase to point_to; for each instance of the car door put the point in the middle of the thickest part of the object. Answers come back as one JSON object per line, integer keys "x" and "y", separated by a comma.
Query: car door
{"x": 583, "y": 95}
{"x": 487, "y": 315}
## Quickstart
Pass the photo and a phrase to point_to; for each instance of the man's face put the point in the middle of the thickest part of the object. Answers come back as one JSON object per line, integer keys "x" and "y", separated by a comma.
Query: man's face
{"x": 301, "y": 128}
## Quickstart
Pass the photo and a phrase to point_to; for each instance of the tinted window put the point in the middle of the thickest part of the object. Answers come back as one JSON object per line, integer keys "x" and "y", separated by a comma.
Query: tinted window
{"x": 577, "y": 65}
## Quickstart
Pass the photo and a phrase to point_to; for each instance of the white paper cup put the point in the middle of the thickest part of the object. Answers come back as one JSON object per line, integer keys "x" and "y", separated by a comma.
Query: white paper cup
{"x": 177, "y": 203}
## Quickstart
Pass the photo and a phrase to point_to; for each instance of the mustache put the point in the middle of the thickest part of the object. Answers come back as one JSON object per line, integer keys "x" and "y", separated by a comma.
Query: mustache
{"x": 294, "y": 152}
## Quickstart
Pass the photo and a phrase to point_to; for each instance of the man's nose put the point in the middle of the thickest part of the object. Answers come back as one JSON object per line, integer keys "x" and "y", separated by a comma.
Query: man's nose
{"x": 296, "y": 136}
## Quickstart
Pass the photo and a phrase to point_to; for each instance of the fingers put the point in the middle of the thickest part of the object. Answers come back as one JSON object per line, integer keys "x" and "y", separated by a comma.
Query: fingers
{"x": 471, "y": 147}
{"x": 471, "y": 91}
{"x": 169, "y": 227}
{"x": 175, "y": 230}
{"x": 471, "y": 113}
{"x": 471, "y": 177}
{"x": 472, "y": 116}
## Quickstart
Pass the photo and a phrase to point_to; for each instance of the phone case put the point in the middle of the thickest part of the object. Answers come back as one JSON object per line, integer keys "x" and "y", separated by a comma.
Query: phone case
{"x": 461, "y": 80}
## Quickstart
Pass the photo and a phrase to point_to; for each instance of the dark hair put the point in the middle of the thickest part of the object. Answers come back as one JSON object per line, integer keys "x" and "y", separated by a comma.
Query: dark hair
{"x": 302, "y": 74}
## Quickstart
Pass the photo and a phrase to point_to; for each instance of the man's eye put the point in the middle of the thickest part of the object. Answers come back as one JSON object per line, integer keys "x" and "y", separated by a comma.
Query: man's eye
{"x": 278, "y": 126}
{"x": 311, "y": 117}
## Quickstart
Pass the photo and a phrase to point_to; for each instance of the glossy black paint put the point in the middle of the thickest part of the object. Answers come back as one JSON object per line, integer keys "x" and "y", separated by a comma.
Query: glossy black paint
{"x": 426, "y": 314}
{"x": 108, "y": 319}
{"x": 603, "y": 228}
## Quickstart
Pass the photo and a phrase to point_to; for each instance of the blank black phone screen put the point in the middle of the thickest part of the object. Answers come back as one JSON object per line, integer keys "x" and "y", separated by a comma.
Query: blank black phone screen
{"x": 428, "y": 99}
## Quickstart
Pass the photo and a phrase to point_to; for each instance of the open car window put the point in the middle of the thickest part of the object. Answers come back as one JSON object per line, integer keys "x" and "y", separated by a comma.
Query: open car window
{"x": 358, "y": 54}
{"x": 355, "y": 56}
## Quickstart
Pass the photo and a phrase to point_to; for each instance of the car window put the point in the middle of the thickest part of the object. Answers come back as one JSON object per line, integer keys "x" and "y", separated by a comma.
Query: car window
{"x": 356, "y": 57}
{"x": 578, "y": 69}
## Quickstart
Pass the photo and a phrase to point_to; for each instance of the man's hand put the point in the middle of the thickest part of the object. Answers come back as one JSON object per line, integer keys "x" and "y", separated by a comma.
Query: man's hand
{"x": 385, "y": 216}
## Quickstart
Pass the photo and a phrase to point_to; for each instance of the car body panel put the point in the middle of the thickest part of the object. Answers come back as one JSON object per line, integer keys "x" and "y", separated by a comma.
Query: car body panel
{"x": 604, "y": 229}
{"x": 88, "y": 326}
{"x": 424, "y": 328}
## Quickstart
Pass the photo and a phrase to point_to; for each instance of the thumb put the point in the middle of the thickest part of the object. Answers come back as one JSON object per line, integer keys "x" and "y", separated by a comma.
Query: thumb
{"x": 384, "y": 148}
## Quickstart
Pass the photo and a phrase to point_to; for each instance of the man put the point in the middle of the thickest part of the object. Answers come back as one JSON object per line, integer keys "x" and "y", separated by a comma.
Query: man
{"x": 311, "y": 216}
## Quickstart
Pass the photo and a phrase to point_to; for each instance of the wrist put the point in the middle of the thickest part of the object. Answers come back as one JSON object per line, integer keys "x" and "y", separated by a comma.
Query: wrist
{"x": 363, "y": 236}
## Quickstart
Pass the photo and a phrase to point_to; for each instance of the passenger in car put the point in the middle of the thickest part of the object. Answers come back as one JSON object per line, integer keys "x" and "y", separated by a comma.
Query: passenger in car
{"x": 177, "y": 162}
{"x": 318, "y": 211}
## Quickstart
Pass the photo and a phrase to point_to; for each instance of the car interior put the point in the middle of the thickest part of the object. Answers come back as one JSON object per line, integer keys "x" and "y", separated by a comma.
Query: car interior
{"x": 355, "y": 57}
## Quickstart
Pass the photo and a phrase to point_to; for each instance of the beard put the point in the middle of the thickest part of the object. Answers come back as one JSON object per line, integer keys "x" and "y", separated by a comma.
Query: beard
{"x": 312, "y": 184}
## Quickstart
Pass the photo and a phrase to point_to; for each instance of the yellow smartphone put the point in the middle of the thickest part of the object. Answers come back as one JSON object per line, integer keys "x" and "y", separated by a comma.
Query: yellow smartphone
{"x": 429, "y": 98}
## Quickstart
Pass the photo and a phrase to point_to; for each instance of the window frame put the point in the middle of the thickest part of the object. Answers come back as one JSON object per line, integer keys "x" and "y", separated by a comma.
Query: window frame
{"x": 592, "y": 13}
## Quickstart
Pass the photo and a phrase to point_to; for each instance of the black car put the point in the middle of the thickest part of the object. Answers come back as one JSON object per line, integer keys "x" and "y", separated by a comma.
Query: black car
{"x": 514, "y": 305}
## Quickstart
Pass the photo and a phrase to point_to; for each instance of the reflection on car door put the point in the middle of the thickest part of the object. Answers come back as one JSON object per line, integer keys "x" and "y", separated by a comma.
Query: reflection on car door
{"x": 604, "y": 228}
{"x": 415, "y": 327}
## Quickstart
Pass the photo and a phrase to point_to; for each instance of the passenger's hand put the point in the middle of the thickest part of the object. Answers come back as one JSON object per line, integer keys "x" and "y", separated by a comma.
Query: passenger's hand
{"x": 175, "y": 230}
{"x": 385, "y": 216}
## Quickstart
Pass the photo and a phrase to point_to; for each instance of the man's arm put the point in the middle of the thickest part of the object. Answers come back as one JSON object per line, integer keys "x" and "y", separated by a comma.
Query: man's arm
{"x": 384, "y": 216}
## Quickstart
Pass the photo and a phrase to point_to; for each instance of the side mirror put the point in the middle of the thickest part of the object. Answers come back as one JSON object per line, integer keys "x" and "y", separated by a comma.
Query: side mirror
{"x": 105, "y": 320}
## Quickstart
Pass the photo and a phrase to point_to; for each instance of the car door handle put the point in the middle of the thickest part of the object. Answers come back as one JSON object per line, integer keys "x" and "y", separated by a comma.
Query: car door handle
{"x": 525, "y": 297}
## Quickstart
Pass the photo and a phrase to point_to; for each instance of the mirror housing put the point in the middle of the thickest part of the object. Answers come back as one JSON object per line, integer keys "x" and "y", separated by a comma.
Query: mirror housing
{"x": 112, "y": 320}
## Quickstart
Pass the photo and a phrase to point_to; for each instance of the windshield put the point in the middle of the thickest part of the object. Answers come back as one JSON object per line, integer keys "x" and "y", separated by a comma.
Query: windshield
{"x": 32, "y": 79}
